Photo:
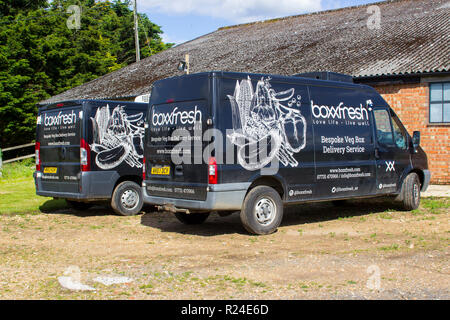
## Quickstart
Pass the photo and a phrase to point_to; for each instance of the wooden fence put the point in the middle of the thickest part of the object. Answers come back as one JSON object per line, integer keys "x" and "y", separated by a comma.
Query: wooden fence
{"x": 15, "y": 148}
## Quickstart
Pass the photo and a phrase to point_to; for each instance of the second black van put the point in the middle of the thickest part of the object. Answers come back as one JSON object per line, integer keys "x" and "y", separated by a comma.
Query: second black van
{"x": 91, "y": 151}
{"x": 222, "y": 141}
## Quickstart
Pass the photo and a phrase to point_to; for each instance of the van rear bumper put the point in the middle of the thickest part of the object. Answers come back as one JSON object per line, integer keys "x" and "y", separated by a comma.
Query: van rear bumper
{"x": 426, "y": 180}
{"x": 221, "y": 197}
{"x": 95, "y": 185}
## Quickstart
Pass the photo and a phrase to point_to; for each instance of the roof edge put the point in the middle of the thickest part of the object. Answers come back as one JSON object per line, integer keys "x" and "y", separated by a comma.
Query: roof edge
{"x": 405, "y": 74}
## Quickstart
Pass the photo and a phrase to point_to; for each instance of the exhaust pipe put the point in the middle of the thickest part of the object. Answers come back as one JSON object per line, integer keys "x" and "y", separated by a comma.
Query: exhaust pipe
{"x": 172, "y": 208}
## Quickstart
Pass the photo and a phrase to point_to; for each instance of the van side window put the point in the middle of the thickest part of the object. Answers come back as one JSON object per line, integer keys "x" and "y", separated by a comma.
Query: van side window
{"x": 384, "y": 129}
{"x": 399, "y": 134}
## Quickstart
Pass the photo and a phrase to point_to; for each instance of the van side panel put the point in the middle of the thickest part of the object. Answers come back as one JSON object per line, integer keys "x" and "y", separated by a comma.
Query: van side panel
{"x": 270, "y": 118}
{"x": 345, "y": 160}
{"x": 115, "y": 135}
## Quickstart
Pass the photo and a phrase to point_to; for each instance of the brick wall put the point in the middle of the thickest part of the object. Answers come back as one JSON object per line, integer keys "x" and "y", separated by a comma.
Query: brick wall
{"x": 411, "y": 103}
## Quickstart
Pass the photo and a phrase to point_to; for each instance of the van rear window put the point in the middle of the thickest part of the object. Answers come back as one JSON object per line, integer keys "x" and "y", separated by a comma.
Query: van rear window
{"x": 59, "y": 127}
{"x": 188, "y": 117}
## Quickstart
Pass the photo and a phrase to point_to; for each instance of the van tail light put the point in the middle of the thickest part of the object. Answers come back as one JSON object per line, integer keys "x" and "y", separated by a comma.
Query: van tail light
{"x": 143, "y": 169}
{"x": 85, "y": 156}
{"x": 37, "y": 149}
{"x": 212, "y": 171}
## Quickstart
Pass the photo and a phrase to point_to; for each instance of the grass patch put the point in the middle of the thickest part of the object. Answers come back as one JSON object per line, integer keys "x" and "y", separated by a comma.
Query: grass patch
{"x": 417, "y": 212}
{"x": 146, "y": 286}
{"x": 392, "y": 247}
{"x": 435, "y": 204}
{"x": 17, "y": 170}
{"x": 18, "y": 193}
{"x": 385, "y": 216}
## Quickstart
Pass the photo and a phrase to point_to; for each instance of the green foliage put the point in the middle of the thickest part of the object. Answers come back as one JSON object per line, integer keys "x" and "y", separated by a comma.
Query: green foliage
{"x": 40, "y": 56}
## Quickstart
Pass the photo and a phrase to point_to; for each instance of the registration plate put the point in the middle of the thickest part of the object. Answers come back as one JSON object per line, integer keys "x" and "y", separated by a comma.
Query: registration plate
{"x": 50, "y": 170}
{"x": 161, "y": 170}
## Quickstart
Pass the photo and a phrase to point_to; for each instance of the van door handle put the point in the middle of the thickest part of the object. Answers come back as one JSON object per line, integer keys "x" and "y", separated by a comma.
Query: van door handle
{"x": 377, "y": 153}
{"x": 179, "y": 170}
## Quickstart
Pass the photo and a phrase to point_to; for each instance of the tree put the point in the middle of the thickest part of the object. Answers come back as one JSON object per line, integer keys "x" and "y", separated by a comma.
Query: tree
{"x": 40, "y": 56}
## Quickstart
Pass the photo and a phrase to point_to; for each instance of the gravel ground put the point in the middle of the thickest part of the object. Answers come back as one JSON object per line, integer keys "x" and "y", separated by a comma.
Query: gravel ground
{"x": 363, "y": 250}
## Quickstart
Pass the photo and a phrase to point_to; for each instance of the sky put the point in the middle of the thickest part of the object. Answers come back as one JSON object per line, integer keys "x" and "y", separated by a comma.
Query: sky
{"x": 183, "y": 20}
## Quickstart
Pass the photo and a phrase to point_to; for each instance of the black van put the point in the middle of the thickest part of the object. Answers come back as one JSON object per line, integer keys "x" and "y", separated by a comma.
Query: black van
{"x": 90, "y": 151}
{"x": 222, "y": 141}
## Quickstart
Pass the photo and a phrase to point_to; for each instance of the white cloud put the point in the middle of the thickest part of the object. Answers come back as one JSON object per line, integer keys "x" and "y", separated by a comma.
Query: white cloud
{"x": 170, "y": 39}
{"x": 237, "y": 11}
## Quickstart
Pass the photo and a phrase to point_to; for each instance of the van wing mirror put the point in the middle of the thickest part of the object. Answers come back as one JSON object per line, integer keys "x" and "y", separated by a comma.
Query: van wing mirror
{"x": 416, "y": 140}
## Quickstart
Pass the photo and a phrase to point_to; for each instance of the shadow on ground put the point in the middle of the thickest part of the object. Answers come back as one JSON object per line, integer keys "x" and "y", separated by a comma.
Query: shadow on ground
{"x": 60, "y": 206}
{"x": 294, "y": 215}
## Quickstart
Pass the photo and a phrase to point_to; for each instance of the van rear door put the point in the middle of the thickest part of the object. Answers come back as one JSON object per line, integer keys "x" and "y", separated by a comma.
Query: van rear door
{"x": 178, "y": 115}
{"x": 59, "y": 138}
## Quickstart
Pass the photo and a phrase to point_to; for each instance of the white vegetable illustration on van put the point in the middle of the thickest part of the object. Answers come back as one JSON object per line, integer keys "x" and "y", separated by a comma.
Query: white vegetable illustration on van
{"x": 261, "y": 123}
{"x": 118, "y": 137}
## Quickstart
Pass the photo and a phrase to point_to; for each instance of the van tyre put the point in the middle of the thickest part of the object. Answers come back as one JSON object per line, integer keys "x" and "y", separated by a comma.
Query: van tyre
{"x": 127, "y": 199}
{"x": 411, "y": 192}
{"x": 192, "y": 218}
{"x": 262, "y": 210}
{"x": 79, "y": 206}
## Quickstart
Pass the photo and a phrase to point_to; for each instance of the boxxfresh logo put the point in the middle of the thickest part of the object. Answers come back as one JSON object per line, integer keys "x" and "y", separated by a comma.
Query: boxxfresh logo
{"x": 61, "y": 118}
{"x": 184, "y": 117}
{"x": 339, "y": 112}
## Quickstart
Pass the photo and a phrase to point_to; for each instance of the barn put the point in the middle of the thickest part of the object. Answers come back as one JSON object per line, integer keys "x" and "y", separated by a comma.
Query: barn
{"x": 400, "y": 47}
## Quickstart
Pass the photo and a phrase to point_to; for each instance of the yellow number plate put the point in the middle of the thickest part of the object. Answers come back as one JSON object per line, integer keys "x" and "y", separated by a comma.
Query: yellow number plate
{"x": 50, "y": 170}
{"x": 161, "y": 170}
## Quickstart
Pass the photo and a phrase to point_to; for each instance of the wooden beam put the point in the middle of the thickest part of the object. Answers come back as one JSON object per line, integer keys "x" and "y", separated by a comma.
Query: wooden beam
{"x": 19, "y": 158}
{"x": 18, "y": 147}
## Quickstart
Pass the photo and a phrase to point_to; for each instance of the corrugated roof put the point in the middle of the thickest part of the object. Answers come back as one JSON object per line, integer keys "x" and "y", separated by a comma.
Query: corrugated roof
{"x": 414, "y": 38}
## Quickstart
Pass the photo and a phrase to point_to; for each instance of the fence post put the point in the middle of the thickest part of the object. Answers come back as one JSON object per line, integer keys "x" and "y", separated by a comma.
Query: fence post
{"x": 1, "y": 162}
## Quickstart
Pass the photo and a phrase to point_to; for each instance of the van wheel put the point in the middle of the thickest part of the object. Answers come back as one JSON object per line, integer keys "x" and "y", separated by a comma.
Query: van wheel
{"x": 262, "y": 210}
{"x": 411, "y": 192}
{"x": 127, "y": 199}
{"x": 79, "y": 206}
{"x": 192, "y": 218}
